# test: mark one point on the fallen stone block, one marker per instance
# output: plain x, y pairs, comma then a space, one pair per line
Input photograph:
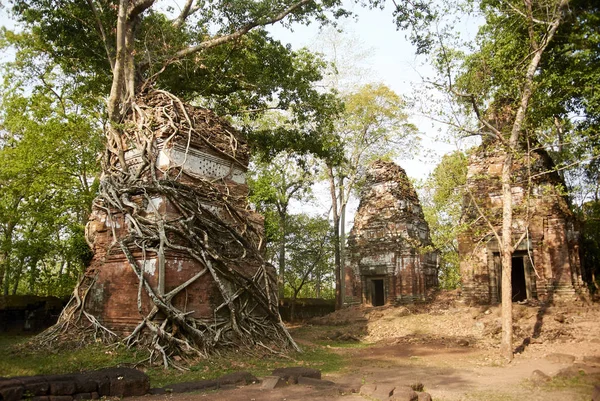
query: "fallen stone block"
560, 358
58, 388
60, 398
34, 385
187, 387
424, 397
11, 390
403, 393
319, 383
271, 382
368, 389
537, 376
86, 384
593, 360
378, 391
126, 382
596, 393
570, 372
292, 374
237, 378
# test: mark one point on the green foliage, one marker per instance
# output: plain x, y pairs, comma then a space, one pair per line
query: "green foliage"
564, 111
49, 146
241, 78
62, 73
309, 267
16, 359
374, 125
590, 244
442, 207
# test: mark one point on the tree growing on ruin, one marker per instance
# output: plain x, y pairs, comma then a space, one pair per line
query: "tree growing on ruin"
498, 85
148, 62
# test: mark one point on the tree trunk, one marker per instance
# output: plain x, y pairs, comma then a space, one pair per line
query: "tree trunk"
281, 278
293, 307
506, 346
336, 239
507, 204
342, 246
318, 284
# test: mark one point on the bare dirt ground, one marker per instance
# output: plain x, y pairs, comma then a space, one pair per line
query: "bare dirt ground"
452, 349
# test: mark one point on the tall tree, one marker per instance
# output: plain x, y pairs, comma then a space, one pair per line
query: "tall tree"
442, 207
498, 84
373, 125
282, 180
49, 147
210, 52
310, 252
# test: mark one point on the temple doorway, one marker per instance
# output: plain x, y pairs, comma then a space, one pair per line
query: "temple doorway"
377, 293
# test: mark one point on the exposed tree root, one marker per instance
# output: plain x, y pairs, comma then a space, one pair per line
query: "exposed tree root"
220, 239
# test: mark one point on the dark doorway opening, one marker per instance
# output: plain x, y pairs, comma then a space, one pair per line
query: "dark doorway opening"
377, 295
519, 286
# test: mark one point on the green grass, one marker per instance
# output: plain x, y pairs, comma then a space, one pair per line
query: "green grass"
312, 357
17, 360
580, 383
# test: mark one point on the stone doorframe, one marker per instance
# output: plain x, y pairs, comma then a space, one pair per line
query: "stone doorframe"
367, 288
525, 251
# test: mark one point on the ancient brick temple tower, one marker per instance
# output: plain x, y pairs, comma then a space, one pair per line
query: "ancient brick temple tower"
390, 255
546, 261
216, 155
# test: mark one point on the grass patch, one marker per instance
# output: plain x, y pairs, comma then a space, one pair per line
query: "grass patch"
16, 360
581, 383
313, 357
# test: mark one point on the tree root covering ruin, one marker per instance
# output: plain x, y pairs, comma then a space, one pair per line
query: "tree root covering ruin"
151, 207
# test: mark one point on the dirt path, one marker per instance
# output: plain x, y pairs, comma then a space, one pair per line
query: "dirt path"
452, 350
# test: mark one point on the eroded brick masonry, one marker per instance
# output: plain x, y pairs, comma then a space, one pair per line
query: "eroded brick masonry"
546, 260
390, 255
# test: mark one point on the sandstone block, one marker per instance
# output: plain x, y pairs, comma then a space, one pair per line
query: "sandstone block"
35, 385
560, 358
403, 393
187, 387
61, 388
60, 398
537, 376
596, 393
237, 378
271, 382
292, 374
11, 390
424, 397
